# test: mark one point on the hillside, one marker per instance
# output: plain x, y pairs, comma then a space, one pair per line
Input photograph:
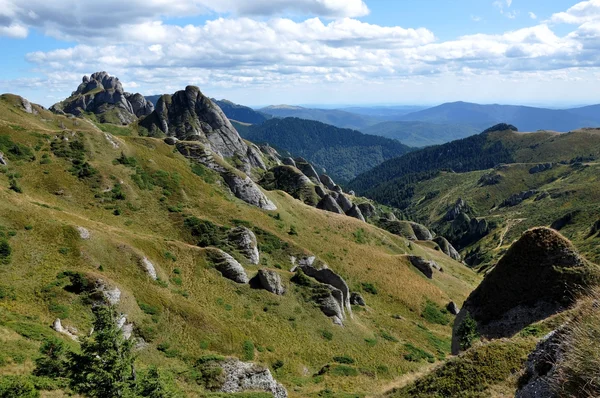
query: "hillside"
335, 117
91, 209
527, 118
421, 134
241, 113
343, 153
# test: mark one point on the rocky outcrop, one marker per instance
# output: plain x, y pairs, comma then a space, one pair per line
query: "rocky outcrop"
149, 268
327, 181
538, 277
328, 277
270, 281
291, 180
245, 241
426, 267
307, 169
104, 96
453, 308
246, 190
328, 203
331, 303
171, 141
70, 332
492, 178
459, 207
110, 294
541, 168
595, 229
188, 115
540, 369
288, 162
447, 248
228, 266
367, 209
421, 231
344, 202
565, 220
84, 233
3, 161
320, 191
407, 229
357, 299
518, 198
355, 212
243, 376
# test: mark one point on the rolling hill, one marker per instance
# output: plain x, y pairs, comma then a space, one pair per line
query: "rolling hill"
241, 113
421, 134
334, 117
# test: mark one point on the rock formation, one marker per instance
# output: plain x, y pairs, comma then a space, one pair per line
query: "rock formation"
307, 169
357, 299
355, 213
540, 368
459, 207
84, 233
245, 241
344, 203
327, 181
270, 281
367, 209
536, 278
452, 308
291, 180
426, 267
328, 203
328, 277
518, 198
243, 376
228, 266
149, 268
447, 248
104, 96
541, 168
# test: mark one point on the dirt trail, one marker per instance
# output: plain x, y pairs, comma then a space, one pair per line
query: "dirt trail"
509, 224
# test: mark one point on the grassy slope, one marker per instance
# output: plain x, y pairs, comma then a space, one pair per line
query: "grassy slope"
217, 316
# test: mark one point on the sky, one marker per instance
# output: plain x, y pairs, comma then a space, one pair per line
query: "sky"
342, 52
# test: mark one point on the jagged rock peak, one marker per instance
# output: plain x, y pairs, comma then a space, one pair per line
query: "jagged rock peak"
191, 116
540, 275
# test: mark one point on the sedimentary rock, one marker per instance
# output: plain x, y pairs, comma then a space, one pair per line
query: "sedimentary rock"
367, 209
228, 266
425, 266
357, 299
243, 376
447, 248
355, 213
327, 181
246, 190
245, 241
453, 308
328, 203
271, 281
344, 203
84, 233
459, 207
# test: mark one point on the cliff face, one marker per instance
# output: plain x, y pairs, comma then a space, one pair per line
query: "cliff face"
104, 96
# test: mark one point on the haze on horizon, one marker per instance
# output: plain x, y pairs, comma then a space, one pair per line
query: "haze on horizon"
351, 52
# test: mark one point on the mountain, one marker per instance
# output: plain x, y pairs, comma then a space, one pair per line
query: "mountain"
241, 113
343, 153
334, 117
220, 284
384, 112
527, 118
421, 134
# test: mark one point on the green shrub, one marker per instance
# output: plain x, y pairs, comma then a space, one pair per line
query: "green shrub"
388, 337
415, 354
17, 387
5, 251
467, 332
369, 288
148, 309
207, 233
327, 335
432, 314
292, 231
359, 236
343, 371
14, 185
344, 359
52, 363
248, 349
278, 364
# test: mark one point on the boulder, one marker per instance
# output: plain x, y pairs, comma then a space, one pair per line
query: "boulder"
271, 281
307, 169
541, 168
338, 189
453, 308
355, 213
536, 278
421, 231
243, 376
228, 266
69, 332
245, 189
289, 162
367, 209
538, 380
245, 241
459, 207
426, 267
329, 204
110, 294
84, 233
171, 141
331, 303
447, 248
291, 180
149, 268
518, 198
327, 181
351, 193
329, 277
140, 106
26, 105
357, 299
320, 191
3, 161
344, 202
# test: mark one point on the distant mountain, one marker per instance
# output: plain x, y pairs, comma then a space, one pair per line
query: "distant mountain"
334, 117
384, 112
153, 98
421, 134
241, 113
527, 118
343, 153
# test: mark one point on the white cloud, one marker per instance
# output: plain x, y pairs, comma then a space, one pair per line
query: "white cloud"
585, 11
532, 15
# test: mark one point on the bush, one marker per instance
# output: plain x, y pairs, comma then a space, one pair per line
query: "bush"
52, 362
17, 387
467, 332
415, 354
5, 251
327, 335
344, 359
388, 337
293, 231
369, 288
344, 371
148, 309
208, 233
433, 314
248, 348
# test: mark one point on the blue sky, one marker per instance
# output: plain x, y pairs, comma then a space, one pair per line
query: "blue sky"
261, 52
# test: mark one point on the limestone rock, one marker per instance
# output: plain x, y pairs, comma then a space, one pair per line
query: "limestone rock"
518, 198
228, 266
453, 308
421, 231
329, 277
291, 180
110, 294
58, 327
171, 141
289, 162
245, 241
447, 248
327, 181
271, 281
535, 279
357, 299
243, 376
246, 190
459, 207
541, 168
3, 161
344, 202
84, 233
332, 304
355, 213
149, 268
367, 209
425, 266
318, 189
307, 169
328, 203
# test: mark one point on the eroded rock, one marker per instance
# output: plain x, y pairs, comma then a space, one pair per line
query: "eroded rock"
149, 268
357, 299
355, 213
246, 190
243, 376
228, 266
245, 241
426, 267
447, 248
271, 281
328, 203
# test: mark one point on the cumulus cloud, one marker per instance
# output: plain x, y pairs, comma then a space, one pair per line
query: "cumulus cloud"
585, 11
532, 15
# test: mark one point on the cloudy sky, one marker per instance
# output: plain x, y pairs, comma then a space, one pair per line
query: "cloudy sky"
260, 52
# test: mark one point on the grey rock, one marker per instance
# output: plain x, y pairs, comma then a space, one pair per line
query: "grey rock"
357, 299
243, 376
367, 209
271, 153
228, 266
328, 203
171, 141
58, 327
541, 168
338, 189
246, 190
332, 304
320, 191
352, 193
344, 203
390, 217
140, 106
3, 160
26, 105
271, 281
245, 241
355, 213
453, 308
289, 162
327, 181
459, 207
149, 268
421, 231
543, 195
307, 169
426, 267
518, 198
110, 294
447, 248
84, 233
540, 368
329, 277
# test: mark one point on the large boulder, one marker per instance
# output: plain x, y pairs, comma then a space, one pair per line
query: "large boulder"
421, 231
245, 189
327, 181
270, 281
357, 299
190, 116
344, 202
329, 277
291, 180
518, 198
104, 96
367, 209
459, 207
328, 203
406, 229
228, 266
355, 213
427, 267
447, 248
307, 169
245, 241
331, 303
539, 276
540, 369
243, 376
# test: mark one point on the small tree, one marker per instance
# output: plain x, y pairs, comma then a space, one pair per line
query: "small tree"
52, 363
467, 332
154, 385
105, 366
